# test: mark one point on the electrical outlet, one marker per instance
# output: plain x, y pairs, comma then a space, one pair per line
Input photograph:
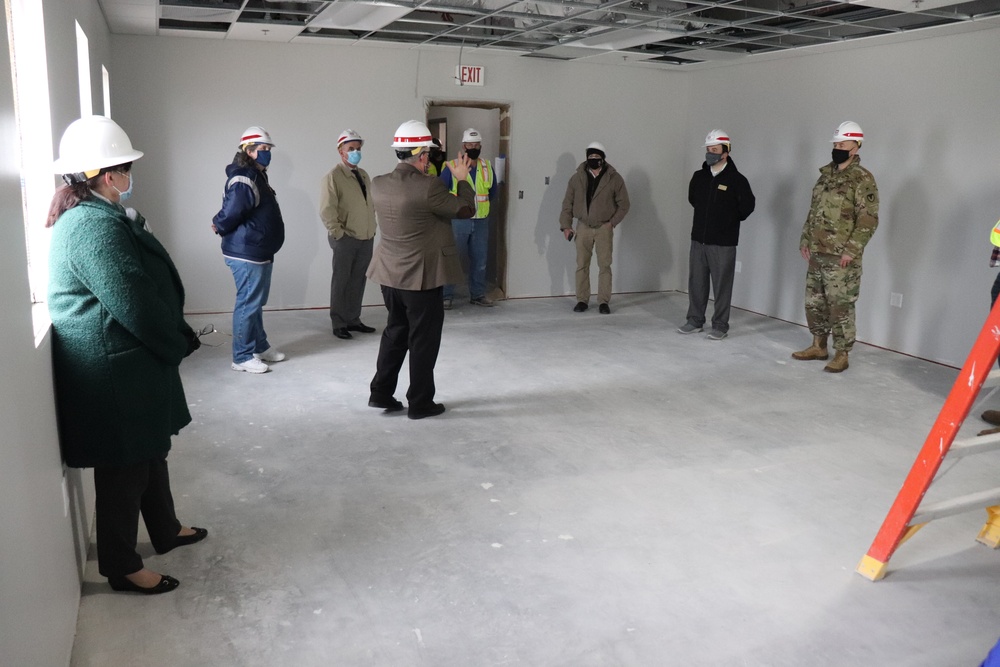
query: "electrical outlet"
520, 194
739, 266
546, 180
896, 299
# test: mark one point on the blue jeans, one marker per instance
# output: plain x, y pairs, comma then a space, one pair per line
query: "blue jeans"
472, 237
253, 284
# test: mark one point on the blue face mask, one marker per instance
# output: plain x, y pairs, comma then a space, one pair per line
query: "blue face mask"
354, 157
122, 196
263, 158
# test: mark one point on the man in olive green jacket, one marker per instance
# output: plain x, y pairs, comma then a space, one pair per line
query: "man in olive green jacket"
596, 196
348, 212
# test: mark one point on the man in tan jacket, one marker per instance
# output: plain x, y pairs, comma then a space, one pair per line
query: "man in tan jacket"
414, 259
348, 212
597, 198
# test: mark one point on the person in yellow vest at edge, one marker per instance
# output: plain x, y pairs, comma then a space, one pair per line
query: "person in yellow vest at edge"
437, 159
472, 237
993, 416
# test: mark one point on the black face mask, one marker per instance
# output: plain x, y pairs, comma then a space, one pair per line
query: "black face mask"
840, 156
473, 153
595, 163
436, 157
712, 159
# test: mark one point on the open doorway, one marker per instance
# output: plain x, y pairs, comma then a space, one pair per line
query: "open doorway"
492, 119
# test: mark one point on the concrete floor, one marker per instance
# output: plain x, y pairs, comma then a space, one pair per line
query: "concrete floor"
602, 491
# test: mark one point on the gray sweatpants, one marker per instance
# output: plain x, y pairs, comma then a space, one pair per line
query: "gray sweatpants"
718, 264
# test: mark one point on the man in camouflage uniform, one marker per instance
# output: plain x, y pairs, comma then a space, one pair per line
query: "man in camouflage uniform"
842, 219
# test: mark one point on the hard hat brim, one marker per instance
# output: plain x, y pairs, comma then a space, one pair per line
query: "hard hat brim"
64, 166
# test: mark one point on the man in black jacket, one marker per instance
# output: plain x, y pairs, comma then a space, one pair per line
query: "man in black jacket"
722, 199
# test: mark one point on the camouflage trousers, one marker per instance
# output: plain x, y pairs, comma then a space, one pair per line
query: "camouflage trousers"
831, 292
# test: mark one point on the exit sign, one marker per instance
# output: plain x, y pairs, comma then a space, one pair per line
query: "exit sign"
469, 75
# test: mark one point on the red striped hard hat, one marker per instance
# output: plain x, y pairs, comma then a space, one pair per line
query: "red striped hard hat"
412, 134
848, 131
717, 137
349, 135
255, 135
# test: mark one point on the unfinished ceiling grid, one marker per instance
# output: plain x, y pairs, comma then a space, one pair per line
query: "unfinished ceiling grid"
672, 33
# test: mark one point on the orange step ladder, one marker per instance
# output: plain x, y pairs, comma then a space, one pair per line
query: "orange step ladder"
907, 516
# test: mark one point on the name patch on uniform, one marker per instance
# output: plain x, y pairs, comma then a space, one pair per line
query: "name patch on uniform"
723, 187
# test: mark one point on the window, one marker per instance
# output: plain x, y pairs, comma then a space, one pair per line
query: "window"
83, 71
106, 79
34, 126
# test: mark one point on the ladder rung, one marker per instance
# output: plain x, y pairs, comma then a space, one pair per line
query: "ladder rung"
973, 501
978, 445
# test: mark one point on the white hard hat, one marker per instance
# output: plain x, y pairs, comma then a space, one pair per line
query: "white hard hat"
91, 143
412, 134
349, 135
596, 146
255, 135
717, 137
472, 136
848, 131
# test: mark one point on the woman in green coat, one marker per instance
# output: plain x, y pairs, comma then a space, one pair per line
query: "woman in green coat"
116, 303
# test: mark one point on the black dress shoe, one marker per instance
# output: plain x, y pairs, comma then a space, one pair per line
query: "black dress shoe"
432, 410
342, 333
184, 540
361, 327
580, 307
604, 309
387, 403
167, 584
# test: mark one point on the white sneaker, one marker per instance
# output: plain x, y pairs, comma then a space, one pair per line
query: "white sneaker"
251, 366
270, 355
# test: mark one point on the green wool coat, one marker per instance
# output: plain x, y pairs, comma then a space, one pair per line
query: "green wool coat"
119, 335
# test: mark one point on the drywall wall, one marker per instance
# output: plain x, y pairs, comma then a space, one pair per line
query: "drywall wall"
932, 140
186, 101
47, 511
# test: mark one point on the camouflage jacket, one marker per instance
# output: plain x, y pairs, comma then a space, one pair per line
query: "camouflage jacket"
844, 211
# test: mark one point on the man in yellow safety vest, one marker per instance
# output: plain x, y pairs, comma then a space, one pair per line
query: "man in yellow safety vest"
472, 237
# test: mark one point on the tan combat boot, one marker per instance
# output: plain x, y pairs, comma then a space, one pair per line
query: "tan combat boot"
838, 364
815, 351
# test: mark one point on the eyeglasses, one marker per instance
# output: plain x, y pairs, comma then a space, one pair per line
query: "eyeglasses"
206, 330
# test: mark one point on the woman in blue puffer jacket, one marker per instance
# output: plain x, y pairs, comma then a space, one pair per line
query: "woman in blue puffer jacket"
252, 232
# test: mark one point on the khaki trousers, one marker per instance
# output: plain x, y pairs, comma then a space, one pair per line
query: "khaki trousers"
586, 238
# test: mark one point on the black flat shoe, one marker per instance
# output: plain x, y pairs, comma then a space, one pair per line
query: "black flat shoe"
432, 410
580, 307
167, 584
605, 309
361, 327
389, 404
184, 540
342, 333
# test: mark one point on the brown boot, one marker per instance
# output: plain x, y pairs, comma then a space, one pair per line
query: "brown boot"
815, 351
838, 364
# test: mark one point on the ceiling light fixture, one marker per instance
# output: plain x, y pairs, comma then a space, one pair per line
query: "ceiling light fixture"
348, 15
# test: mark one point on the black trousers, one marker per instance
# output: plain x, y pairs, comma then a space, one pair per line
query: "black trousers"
122, 493
414, 325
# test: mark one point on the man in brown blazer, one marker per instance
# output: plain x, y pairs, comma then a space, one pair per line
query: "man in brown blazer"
414, 259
